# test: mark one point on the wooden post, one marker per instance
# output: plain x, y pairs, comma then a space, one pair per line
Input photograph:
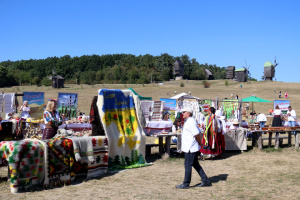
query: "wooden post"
168, 145
254, 139
296, 139
240, 112
259, 140
289, 138
270, 139
276, 140
161, 150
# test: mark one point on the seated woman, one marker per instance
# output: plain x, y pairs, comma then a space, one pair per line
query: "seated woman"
166, 116
177, 128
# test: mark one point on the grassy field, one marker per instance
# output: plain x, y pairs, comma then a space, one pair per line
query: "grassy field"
253, 174
262, 89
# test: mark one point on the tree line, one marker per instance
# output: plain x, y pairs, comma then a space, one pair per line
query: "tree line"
110, 68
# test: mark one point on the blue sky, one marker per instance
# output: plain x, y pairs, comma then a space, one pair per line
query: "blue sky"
217, 32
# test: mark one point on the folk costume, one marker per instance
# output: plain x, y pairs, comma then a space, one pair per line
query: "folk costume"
52, 121
213, 144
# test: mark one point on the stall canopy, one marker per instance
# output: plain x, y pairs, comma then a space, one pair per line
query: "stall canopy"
184, 96
255, 99
140, 97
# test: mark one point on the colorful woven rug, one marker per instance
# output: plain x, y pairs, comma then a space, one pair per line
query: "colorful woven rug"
60, 165
26, 162
100, 165
126, 138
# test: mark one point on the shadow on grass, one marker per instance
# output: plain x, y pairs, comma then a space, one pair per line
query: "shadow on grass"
215, 179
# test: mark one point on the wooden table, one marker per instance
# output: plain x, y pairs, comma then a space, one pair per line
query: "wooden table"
257, 137
167, 142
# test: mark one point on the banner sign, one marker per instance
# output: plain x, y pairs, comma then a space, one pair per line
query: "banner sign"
36, 103
67, 103
170, 104
283, 104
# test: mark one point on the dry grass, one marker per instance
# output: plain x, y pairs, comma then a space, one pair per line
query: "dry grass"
255, 174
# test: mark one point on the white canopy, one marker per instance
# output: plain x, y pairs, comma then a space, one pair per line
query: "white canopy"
183, 96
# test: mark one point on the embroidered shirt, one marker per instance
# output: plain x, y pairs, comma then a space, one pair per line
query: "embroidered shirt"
52, 118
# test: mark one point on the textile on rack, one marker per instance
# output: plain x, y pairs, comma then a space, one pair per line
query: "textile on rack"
26, 162
213, 139
147, 108
9, 103
157, 111
97, 127
125, 135
236, 139
83, 149
100, 164
60, 164
230, 109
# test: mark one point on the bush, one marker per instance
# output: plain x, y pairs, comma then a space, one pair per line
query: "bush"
206, 84
226, 83
46, 81
181, 84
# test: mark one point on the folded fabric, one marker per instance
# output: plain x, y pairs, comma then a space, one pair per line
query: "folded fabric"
83, 149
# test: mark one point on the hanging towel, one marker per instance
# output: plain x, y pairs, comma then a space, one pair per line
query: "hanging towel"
9, 103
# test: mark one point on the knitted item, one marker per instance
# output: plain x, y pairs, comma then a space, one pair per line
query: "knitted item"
26, 162
124, 132
83, 149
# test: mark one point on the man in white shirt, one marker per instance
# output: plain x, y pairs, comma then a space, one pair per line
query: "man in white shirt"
261, 118
291, 117
190, 147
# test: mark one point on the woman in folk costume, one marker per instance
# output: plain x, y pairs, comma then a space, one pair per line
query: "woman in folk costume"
212, 140
52, 119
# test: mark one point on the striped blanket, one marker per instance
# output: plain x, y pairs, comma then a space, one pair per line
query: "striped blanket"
157, 111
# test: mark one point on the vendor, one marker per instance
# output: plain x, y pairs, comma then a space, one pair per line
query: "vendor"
177, 128
234, 125
277, 120
51, 119
25, 110
261, 118
166, 116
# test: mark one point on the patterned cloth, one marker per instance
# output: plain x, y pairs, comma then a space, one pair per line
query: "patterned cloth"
157, 111
97, 128
147, 108
123, 129
100, 164
26, 162
83, 149
60, 162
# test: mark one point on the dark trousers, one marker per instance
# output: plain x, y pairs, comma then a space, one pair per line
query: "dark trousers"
191, 160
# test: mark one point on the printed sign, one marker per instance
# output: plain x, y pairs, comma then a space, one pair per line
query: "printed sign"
170, 104
283, 104
36, 103
67, 103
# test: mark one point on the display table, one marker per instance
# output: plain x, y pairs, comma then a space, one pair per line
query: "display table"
155, 127
76, 127
257, 137
236, 139
167, 142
